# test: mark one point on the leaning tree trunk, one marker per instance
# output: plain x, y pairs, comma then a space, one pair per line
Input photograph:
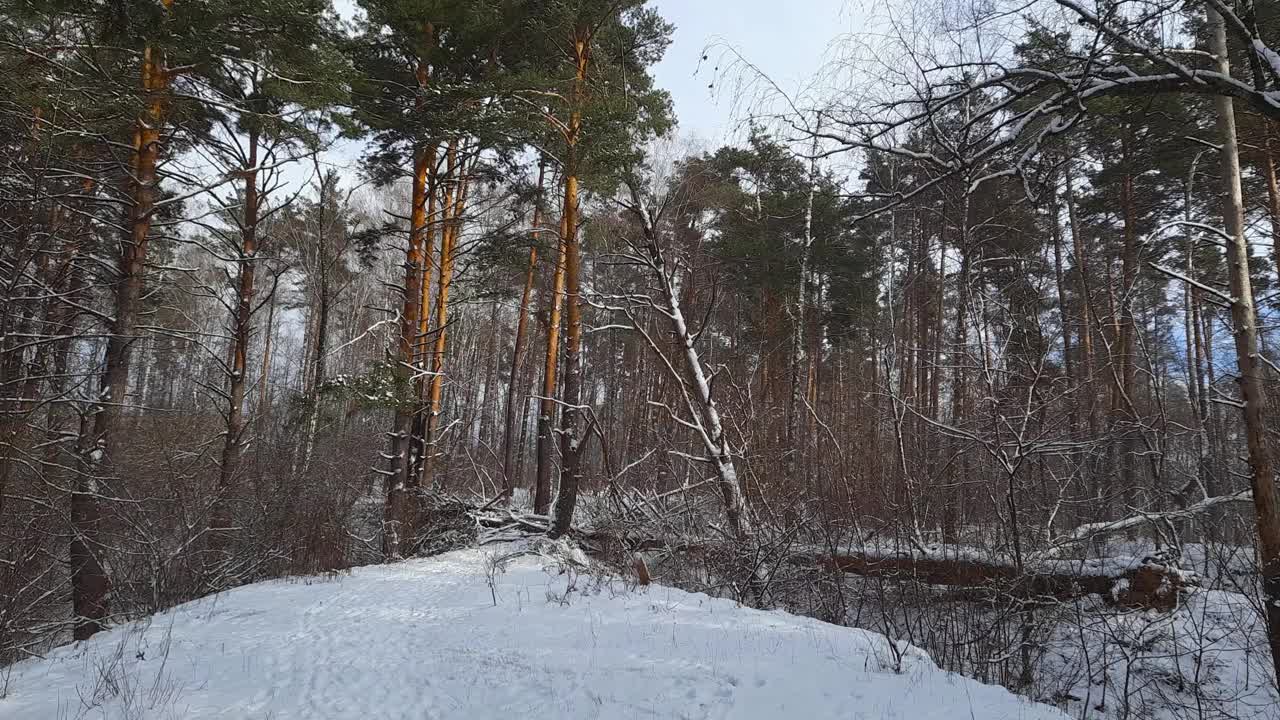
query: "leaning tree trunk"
1265, 501
695, 382
90, 585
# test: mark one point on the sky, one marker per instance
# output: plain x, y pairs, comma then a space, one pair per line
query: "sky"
785, 39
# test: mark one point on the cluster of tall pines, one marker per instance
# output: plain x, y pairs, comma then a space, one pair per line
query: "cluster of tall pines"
275, 281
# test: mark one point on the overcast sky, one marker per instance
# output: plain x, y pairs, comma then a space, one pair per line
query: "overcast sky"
787, 39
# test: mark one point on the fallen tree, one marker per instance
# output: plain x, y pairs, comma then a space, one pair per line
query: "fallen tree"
1150, 582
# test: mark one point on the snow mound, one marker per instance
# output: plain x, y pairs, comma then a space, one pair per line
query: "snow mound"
463, 636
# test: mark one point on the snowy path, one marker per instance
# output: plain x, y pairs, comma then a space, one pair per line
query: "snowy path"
423, 639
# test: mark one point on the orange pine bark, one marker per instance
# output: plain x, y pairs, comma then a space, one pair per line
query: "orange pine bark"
90, 585
571, 431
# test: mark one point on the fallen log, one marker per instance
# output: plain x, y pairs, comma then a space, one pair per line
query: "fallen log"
1152, 582
1125, 582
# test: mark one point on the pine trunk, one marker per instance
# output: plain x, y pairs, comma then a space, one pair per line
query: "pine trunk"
395, 513
571, 439
1251, 371
452, 208
1123, 401
550, 381
90, 585
1085, 331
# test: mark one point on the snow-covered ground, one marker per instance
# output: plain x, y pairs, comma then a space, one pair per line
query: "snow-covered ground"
1206, 659
451, 637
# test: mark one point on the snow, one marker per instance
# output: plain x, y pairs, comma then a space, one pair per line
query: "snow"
460, 636
1207, 659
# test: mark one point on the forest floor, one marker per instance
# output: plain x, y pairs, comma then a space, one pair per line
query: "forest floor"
1205, 660
508, 631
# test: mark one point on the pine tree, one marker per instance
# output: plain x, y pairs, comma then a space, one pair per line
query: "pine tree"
286, 72
431, 73
587, 63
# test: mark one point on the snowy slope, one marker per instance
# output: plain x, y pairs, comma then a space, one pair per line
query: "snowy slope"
424, 639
